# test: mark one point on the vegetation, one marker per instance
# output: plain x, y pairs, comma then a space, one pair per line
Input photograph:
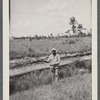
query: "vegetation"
37, 48
59, 35
43, 77
78, 87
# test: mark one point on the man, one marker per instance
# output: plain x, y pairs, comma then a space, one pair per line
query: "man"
54, 60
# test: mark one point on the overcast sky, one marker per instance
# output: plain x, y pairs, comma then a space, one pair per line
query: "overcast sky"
42, 17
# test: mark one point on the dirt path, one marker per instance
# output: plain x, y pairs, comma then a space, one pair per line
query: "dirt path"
23, 70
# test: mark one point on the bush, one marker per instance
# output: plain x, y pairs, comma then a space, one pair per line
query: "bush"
65, 72
71, 42
80, 64
68, 71
16, 55
12, 86
89, 66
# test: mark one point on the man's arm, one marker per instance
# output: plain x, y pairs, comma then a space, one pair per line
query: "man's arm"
47, 60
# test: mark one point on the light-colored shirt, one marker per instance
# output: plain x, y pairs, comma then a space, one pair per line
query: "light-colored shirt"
54, 59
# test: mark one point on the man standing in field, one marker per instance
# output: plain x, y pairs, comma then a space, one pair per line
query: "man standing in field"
54, 60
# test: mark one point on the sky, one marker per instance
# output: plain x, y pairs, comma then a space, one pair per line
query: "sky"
42, 17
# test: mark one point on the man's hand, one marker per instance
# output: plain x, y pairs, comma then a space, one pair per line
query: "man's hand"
53, 64
45, 59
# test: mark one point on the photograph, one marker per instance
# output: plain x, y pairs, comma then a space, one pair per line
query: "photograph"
51, 49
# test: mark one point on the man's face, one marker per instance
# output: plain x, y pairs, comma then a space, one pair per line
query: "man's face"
54, 52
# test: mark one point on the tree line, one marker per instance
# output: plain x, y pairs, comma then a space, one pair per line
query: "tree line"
76, 29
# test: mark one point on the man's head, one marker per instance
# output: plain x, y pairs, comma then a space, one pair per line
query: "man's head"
54, 51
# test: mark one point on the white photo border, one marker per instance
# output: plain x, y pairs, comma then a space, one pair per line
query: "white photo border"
6, 50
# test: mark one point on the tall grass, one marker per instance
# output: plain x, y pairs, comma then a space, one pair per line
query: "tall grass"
74, 88
43, 77
37, 48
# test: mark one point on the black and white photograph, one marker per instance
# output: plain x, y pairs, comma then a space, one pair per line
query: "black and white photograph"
50, 50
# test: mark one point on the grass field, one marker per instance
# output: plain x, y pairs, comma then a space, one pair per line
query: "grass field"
78, 87
37, 48
42, 77
39, 85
